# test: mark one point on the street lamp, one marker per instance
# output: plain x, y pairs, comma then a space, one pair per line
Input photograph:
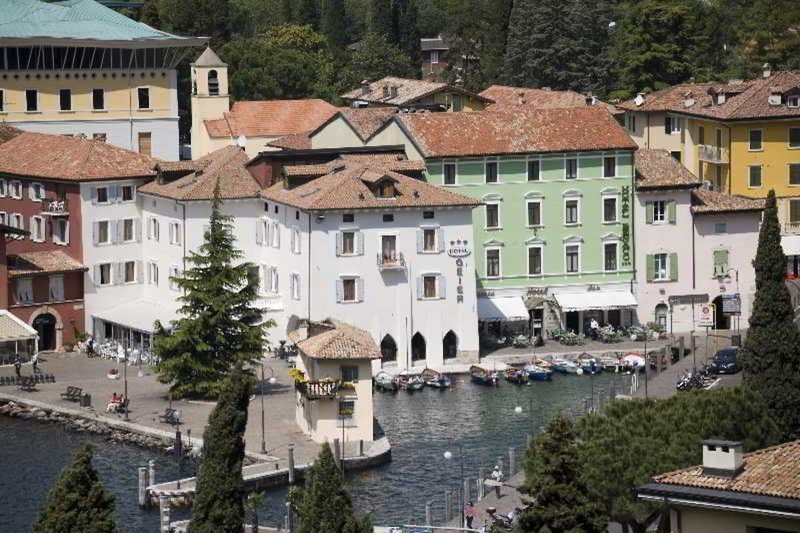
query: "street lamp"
272, 381
738, 297
448, 455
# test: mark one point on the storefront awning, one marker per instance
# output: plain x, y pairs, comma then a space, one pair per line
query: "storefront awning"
790, 244
140, 315
502, 308
14, 329
584, 301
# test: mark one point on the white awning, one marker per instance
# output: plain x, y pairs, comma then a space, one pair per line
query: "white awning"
790, 244
584, 301
502, 308
140, 315
14, 329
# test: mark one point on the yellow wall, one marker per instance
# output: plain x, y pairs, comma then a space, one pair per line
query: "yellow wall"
774, 158
696, 520
120, 95
444, 97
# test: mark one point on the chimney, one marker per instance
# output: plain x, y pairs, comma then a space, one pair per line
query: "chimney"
393, 91
364, 87
315, 328
767, 72
386, 91
722, 458
639, 100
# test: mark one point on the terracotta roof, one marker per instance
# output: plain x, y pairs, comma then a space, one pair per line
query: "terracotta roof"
408, 91
706, 201
271, 118
7, 133
348, 187
297, 141
70, 158
773, 471
743, 100
505, 96
332, 339
518, 131
393, 162
49, 262
657, 169
367, 121
228, 165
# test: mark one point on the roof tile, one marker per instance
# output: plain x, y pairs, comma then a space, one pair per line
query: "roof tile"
50, 262
333, 339
505, 96
657, 169
408, 91
271, 118
705, 201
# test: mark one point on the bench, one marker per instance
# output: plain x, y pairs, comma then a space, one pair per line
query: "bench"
168, 417
73, 394
26, 383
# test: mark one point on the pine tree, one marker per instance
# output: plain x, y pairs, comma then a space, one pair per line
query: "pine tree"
308, 13
333, 23
552, 479
78, 501
379, 18
324, 503
219, 506
220, 327
405, 30
770, 356
286, 12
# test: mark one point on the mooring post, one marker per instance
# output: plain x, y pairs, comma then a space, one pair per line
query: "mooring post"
291, 464
361, 447
428, 520
336, 456
481, 473
448, 505
163, 508
142, 486
467, 492
512, 463
151, 472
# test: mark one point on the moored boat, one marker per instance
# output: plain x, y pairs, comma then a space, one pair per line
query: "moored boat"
589, 364
385, 381
437, 380
481, 376
516, 375
565, 367
409, 382
608, 362
538, 373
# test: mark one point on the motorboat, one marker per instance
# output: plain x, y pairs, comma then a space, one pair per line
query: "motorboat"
537, 372
481, 376
517, 376
564, 366
633, 362
437, 380
385, 381
409, 382
608, 362
589, 365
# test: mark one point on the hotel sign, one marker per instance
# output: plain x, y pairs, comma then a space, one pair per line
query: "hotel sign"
626, 230
458, 248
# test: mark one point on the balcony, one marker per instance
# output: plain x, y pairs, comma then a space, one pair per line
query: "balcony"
317, 390
391, 260
712, 154
55, 208
790, 228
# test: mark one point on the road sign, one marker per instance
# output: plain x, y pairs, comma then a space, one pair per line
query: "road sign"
731, 304
688, 299
704, 315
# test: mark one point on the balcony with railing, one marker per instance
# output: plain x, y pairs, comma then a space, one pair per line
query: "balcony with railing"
55, 208
790, 228
713, 154
317, 390
391, 260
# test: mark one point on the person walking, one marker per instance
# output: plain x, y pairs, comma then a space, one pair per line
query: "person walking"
35, 363
18, 367
497, 475
594, 326
469, 514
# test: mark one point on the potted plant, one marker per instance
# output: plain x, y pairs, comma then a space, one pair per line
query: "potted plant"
113, 374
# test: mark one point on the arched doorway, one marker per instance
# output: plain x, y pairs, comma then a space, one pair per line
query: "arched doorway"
450, 345
720, 320
418, 349
661, 315
388, 349
45, 326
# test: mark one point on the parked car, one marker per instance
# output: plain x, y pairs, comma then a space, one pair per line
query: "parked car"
725, 361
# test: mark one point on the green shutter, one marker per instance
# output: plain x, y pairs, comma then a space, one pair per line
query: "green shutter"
651, 267
648, 206
671, 211
673, 267
720, 262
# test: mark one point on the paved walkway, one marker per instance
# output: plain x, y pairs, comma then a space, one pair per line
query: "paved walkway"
510, 498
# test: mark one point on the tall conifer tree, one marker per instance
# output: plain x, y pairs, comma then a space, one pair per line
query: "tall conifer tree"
333, 23
379, 18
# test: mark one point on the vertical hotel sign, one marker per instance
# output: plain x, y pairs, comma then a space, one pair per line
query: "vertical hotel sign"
458, 250
626, 225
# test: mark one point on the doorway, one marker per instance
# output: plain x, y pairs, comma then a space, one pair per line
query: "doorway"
45, 326
720, 320
450, 345
418, 348
388, 349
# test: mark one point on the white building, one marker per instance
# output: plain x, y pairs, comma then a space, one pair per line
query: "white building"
692, 244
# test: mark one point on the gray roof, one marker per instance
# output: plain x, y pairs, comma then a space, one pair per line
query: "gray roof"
209, 59
433, 43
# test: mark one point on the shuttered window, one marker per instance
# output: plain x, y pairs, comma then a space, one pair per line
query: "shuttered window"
720, 262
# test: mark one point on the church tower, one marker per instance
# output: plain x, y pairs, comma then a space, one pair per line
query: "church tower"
210, 99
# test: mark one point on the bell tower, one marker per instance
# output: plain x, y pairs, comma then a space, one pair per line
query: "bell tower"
210, 99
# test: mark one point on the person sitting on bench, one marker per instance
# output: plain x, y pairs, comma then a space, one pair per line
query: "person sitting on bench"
115, 402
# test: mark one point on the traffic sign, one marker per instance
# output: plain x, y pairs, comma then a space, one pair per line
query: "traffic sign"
731, 304
705, 315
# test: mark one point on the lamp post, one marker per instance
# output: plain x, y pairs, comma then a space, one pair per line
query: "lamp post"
448, 455
646, 361
738, 297
125, 381
272, 381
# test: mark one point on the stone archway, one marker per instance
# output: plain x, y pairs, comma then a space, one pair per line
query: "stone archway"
59, 325
450, 345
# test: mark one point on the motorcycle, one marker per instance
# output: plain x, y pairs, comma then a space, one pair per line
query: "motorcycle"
507, 522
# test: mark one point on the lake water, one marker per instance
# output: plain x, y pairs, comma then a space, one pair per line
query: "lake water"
421, 426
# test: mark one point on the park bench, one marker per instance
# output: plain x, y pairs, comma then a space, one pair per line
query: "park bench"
73, 394
26, 383
168, 417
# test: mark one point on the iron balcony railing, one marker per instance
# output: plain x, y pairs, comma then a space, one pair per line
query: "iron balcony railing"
317, 390
712, 154
55, 207
790, 228
393, 259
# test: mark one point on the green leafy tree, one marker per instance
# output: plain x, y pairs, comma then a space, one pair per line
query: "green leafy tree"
770, 356
324, 503
768, 33
374, 58
404, 29
465, 34
552, 480
217, 19
379, 18
307, 13
333, 23
629, 442
78, 501
219, 328
219, 505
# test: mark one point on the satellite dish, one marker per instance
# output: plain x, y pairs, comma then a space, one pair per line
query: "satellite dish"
241, 142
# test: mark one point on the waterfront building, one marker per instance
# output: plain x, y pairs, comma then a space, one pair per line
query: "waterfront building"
334, 381
80, 68
415, 95
64, 192
732, 492
434, 57
693, 246
252, 124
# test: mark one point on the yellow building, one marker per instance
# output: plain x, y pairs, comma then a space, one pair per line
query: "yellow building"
79, 68
415, 95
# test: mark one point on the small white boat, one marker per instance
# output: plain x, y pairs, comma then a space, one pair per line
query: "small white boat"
564, 366
385, 381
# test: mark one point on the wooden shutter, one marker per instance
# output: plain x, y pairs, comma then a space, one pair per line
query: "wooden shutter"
277, 230
671, 211
95, 232
360, 289
66, 232
119, 275
442, 287
97, 274
139, 272
149, 228
667, 125
359, 243
420, 288
420, 239
651, 267
648, 206
339, 244
339, 290
145, 143
137, 229
673, 267
720, 262
178, 234
440, 240
94, 195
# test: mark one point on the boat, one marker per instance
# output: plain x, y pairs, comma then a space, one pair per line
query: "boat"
565, 367
481, 376
608, 362
385, 381
589, 365
409, 382
516, 375
437, 380
632, 362
539, 373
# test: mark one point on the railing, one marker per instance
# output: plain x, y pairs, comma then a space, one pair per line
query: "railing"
790, 228
712, 154
315, 390
391, 259
55, 207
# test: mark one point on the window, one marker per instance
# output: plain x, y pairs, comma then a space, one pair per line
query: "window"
37, 229
572, 258
449, 173
429, 286
297, 215
794, 173
152, 273
65, 99
294, 286
428, 214
127, 193
15, 189
23, 291
17, 222
571, 169
153, 229
3, 188
609, 167
275, 208
348, 243
31, 100
143, 97
36, 191
103, 232
659, 211
273, 280
128, 233
535, 261
3, 218
534, 170
756, 142
348, 290
661, 267
350, 373
61, 232
794, 211
295, 240
491, 171
386, 189
434, 57
720, 227
346, 410
103, 274
492, 216
793, 101
175, 233
145, 143
2, 101
701, 135
534, 213
610, 257
99, 137
631, 122
794, 137
98, 99
672, 125
388, 217
429, 240
676, 155
129, 272
348, 217
493, 263
755, 176
571, 212
610, 209
101, 195
56, 285
213, 83
174, 273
